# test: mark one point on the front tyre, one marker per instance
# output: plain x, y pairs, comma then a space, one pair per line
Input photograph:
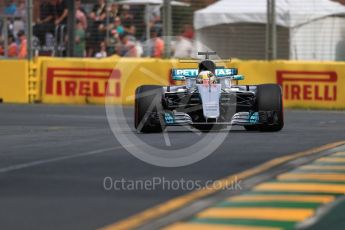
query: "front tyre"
148, 109
269, 98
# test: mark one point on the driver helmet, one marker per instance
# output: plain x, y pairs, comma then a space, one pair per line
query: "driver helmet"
205, 76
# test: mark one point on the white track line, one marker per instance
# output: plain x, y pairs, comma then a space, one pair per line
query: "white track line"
56, 159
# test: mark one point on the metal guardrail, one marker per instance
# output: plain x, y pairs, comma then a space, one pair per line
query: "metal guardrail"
59, 39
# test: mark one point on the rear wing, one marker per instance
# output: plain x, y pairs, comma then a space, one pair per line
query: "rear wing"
182, 74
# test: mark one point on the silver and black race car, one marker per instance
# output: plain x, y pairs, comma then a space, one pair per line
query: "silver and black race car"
210, 99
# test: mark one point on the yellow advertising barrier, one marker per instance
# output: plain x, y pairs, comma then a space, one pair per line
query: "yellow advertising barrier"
77, 81
80, 81
14, 81
305, 84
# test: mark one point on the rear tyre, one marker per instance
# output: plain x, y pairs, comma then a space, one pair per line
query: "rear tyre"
148, 101
269, 98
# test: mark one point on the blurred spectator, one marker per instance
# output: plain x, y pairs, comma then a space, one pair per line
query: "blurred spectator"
154, 13
127, 20
155, 45
1, 26
139, 49
102, 53
115, 31
113, 12
20, 10
184, 45
10, 8
2, 49
79, 47
97, 33
116, 27
45, 22
80, 14
127, 48
60, 12
119, 36
22, 52
98, 13
12, 47
111, 27
60, 21
20, 17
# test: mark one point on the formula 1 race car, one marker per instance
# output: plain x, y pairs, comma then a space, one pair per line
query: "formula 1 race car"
210, 99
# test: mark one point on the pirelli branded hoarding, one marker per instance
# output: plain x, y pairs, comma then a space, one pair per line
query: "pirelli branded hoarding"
304, 84
81, 85
72, 81
83, 82
92, 81
309, 86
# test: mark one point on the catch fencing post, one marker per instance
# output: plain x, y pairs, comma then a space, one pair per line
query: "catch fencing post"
271, 31
71, 27
167, 24
29, 29
107, 22
5, 33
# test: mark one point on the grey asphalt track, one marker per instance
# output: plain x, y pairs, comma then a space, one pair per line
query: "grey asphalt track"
53, 160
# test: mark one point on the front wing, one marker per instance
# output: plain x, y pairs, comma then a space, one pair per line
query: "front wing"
241, 118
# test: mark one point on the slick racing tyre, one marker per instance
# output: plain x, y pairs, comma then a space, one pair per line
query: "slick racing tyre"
148, 108
269, 98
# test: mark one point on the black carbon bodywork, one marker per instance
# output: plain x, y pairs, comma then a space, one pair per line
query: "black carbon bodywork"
191, 103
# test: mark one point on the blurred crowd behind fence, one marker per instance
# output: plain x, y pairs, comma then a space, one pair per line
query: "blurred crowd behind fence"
246, 29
